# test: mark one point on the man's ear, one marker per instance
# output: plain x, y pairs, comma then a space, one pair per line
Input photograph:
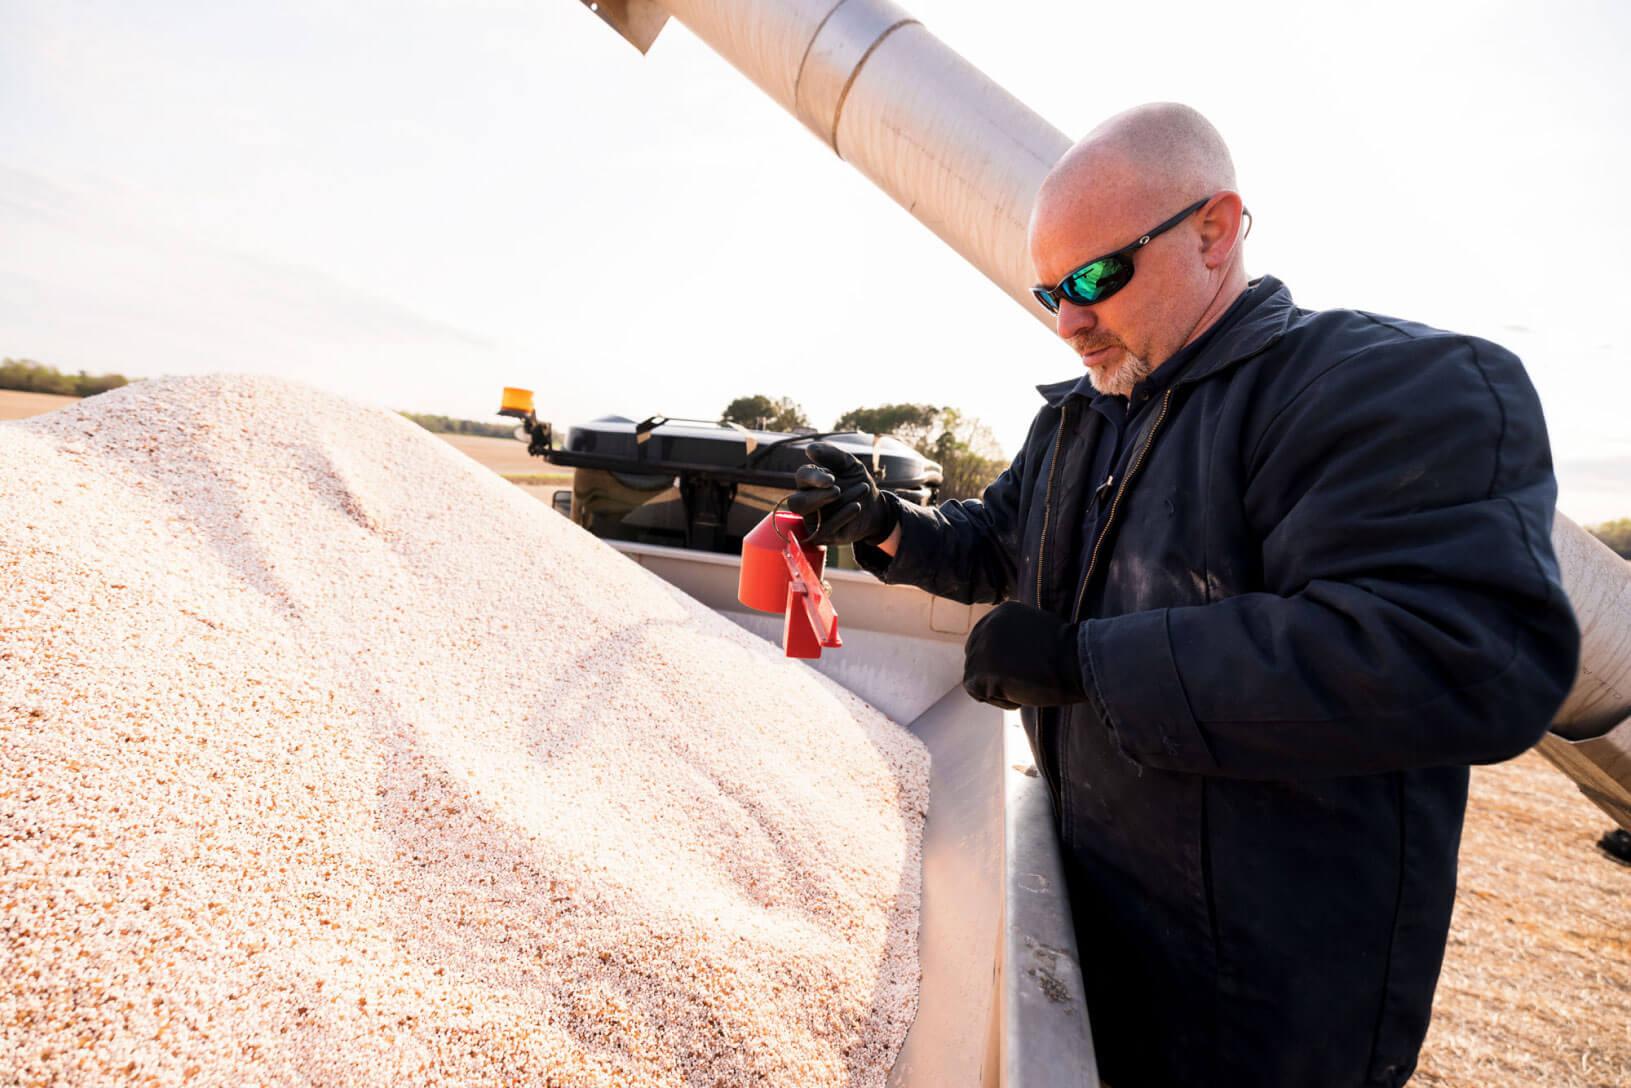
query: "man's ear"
1221, 221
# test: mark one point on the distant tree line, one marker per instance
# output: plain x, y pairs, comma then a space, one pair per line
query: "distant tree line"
449, 425
967, 451
27, 376
760, 413
1616, 534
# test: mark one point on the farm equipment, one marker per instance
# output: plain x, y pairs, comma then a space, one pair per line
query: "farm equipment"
694, 483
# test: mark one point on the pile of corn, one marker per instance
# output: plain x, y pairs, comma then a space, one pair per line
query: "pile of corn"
328, 757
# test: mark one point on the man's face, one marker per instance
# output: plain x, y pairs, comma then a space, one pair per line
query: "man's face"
1123, 338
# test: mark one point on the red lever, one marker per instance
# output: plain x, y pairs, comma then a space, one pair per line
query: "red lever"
780, 573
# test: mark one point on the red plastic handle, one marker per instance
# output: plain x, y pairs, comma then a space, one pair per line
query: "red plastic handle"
811, 621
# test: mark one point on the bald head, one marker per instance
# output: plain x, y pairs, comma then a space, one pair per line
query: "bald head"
1135, 171
1163, 155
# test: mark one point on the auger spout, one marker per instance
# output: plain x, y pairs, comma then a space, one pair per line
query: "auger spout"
961, 154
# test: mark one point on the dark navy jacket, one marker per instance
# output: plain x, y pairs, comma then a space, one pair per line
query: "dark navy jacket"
1325, 586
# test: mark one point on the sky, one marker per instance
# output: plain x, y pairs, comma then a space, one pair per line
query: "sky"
415, 203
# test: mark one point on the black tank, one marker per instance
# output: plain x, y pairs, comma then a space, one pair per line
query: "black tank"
699, 485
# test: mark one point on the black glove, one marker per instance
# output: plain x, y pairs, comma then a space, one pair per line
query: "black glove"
838, 500
1019, 655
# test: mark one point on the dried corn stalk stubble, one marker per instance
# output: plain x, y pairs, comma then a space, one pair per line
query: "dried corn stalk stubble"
327, 756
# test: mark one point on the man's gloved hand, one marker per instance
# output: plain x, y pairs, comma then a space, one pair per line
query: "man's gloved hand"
1022, 656
839, 501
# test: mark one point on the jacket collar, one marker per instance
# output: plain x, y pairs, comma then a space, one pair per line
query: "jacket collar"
1268, 310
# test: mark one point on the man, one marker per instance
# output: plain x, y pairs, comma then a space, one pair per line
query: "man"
1270, 579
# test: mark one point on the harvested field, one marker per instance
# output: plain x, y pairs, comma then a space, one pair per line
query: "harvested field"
327, 757
1536, 988
505, 456
15, 404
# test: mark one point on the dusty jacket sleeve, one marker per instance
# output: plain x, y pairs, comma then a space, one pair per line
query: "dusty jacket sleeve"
966, 550
1412, 613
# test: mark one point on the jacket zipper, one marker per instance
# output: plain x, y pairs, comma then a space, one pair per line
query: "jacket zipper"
1115, 504
1047, 500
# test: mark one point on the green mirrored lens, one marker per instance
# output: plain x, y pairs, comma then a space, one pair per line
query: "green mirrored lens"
1099, 280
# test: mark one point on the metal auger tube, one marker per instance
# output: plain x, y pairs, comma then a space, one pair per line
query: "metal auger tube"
958, 152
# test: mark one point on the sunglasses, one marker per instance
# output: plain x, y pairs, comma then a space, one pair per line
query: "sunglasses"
1102, 277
